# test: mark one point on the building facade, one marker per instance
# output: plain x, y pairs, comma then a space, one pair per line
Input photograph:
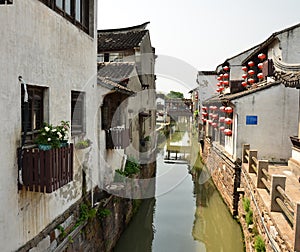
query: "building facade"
52, 47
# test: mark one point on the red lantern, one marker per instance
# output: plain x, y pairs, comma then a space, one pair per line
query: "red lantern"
210, 115
244, 84
222, 119
226, 68
244, 68
226, 83
218, 90
214, 108
219, 78
227, 132
203, 119
260, 65
204, 108
204, 114
215, 116
219, 84
261, 56
222, 128
221, 88
214, 124
225, 75
251, 72
251, 63
244, 76
260, 76
228, 121
251, 81
222, 108
209, 121
228, 110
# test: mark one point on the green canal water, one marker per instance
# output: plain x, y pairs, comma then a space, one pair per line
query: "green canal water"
186, 215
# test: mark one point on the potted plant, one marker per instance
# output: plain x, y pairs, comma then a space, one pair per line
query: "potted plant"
85, 143
53, 136
63, 133
83, 149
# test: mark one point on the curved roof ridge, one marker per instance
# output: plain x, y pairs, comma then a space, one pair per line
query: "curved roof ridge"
127, 29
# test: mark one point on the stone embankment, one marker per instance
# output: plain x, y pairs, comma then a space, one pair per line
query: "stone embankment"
263, 197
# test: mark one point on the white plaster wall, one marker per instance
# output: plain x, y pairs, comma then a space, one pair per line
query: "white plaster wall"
47, 51
275, 108
207, 86
289, 42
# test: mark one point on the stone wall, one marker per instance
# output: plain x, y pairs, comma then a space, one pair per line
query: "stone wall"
225, 173
97, 228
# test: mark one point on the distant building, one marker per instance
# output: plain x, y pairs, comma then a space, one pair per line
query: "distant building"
126, 56
263, 111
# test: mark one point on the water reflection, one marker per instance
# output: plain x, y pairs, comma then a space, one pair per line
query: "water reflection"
189, 217
138, 236
213, 223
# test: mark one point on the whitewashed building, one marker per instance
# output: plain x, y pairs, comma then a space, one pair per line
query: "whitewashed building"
263, 110
127, 46
52, 45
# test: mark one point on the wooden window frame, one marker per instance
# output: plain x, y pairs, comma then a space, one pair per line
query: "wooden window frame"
36, 114
77, 103
84, 20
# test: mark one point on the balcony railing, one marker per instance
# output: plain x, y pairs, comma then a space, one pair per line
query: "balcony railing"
47, 171
117, 138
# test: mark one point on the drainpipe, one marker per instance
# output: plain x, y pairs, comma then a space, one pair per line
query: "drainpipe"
26, 115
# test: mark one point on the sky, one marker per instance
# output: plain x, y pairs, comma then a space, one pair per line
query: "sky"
199, 34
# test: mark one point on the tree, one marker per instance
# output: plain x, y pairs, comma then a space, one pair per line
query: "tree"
174, 94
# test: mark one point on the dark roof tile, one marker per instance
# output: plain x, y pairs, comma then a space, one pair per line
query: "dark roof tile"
115, 71
104, 82
114, 41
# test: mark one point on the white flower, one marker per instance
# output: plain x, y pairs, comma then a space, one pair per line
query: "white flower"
49, 139
44, 134
47, 129
59, 135
53, 130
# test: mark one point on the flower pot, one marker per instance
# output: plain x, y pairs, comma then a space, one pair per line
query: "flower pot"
63, 144
45, 147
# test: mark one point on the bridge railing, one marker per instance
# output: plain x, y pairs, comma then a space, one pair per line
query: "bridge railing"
275, 185
259, 167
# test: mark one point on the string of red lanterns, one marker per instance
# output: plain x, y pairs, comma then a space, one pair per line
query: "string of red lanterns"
223, 79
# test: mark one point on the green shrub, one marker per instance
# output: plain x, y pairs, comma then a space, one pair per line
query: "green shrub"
103, 213
131, 167
246, 204
249, 217
259, 244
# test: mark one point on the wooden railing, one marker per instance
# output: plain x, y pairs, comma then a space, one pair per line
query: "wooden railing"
117, 138
275, 185
46, 171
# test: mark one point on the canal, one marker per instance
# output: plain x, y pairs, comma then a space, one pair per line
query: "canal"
185, 215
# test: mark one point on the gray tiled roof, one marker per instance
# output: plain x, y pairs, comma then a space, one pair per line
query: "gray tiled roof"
289, 79
116, 71
115, 40
230, 97
107, 83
